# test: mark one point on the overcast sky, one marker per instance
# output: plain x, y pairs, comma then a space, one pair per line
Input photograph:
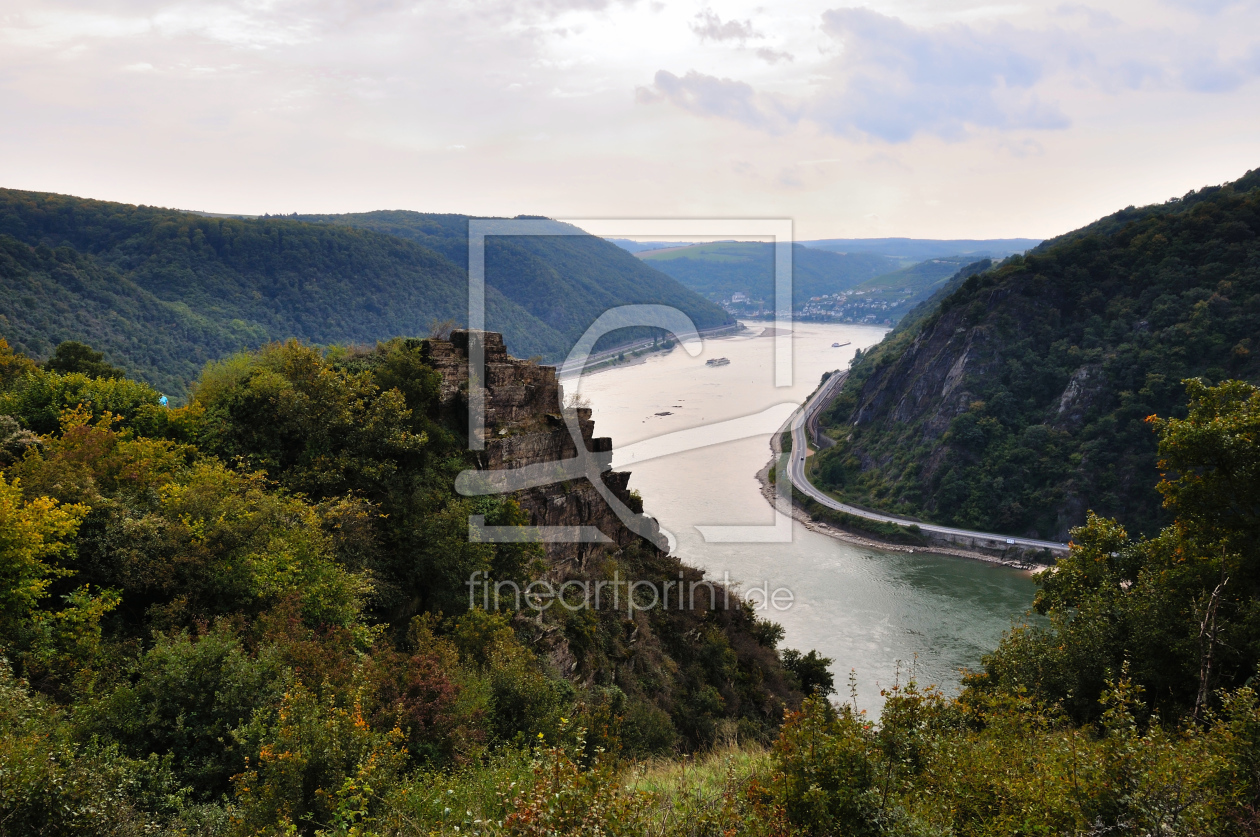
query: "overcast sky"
926, 119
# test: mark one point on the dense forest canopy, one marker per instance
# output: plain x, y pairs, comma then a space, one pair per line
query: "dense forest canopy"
247, 616
282, 566
161, 291
565, 281
1020, 401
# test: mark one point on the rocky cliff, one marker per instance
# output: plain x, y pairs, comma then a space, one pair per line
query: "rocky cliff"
524, 425
1021, 401
708, 668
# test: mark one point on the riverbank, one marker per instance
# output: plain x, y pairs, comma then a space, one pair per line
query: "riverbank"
638, 353
866, 607
868, 540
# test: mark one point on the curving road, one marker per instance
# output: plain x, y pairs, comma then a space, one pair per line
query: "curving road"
807, 416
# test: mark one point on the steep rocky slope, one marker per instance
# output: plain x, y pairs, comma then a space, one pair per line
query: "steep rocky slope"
707, 662
1021, 401
524, 426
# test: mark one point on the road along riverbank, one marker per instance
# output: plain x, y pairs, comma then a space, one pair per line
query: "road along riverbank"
871, 540
803, 428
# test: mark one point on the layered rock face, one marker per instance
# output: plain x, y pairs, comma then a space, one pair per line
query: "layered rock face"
931, 380
525, 425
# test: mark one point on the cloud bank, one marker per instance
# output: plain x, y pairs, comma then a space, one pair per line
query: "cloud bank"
891, 81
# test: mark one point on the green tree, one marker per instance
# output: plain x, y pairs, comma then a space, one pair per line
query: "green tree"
35, 536
1179, 609
812, 670
73, 356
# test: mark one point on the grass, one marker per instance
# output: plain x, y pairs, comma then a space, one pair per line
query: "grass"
462, 801
678, 796
692, 794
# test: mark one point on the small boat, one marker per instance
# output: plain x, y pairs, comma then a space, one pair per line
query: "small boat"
717, 361
840, 345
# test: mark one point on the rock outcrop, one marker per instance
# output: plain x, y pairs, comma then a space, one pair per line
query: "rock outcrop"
525, 425
656, 657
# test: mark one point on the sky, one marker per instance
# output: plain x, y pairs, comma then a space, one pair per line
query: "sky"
946, 119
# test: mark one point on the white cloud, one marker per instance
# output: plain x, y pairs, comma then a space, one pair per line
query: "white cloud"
706, 95
894, 80
713, 28
891, 81
774, 56
1210, 7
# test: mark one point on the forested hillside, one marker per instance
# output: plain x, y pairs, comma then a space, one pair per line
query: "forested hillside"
845, 287
249, 616
894, 295
1022, 400
564, 281
719, 270
162, 291
236, 607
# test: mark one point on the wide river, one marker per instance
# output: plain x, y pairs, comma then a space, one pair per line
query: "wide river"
872, 611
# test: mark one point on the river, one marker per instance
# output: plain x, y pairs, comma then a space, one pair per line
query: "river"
878, 613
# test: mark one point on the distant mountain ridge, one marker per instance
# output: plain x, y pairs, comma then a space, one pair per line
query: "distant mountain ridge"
1021, 400
919, 249
720, 269
162, 291
829, 286
631, 246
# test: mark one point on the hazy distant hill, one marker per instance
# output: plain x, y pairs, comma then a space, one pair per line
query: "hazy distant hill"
918, 249
162, 291
631, 246
1020, 401
722, 269
879, 286
911, 285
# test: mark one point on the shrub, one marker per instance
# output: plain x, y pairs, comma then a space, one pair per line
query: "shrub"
828, 765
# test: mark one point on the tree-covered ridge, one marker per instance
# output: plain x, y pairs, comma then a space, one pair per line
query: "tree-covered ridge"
721, 269
53, 296
848, 287
162, 291
252, 280
1021, 401
565, 281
